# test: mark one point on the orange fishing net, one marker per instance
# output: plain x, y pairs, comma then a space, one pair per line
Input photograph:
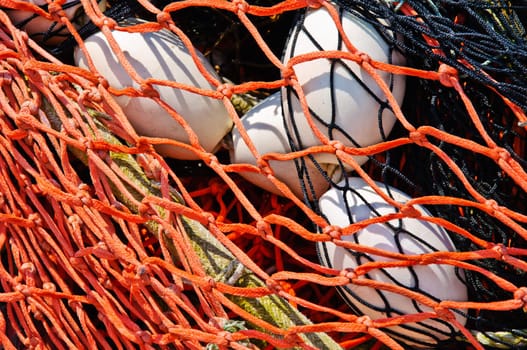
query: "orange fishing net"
107, 244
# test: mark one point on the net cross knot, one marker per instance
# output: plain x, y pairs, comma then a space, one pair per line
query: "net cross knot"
241, 5
164, 19
418, 138
148, 90
363, 57
56, 11
333, 231
409, 211
288, 74
227, 90
447, 75
492, 205
107, 22
364, 320
521, 295
444, 313
349, 273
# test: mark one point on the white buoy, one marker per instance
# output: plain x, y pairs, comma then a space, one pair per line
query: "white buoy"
264, 124
161, 55
409, 236
344, 100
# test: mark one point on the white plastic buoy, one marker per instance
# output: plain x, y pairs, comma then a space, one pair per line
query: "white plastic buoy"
265, 127
48, 31
343, 99
408, 236
161, 55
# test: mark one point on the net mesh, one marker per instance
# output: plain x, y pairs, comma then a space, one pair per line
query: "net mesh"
107, 244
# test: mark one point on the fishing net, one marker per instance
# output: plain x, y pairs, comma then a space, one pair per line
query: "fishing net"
107, 244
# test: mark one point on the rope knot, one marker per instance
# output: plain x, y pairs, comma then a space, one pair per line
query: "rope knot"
349, 273
501, 154
148, 90
410, 212
108, 22
363, 58
418, 138
492, 205
274, 286
164, 18
227, 90
444, 313
337, 145
364, 320
56, 11
447, 75
333, 231
521, 295
289, 76
241, 5
263, 228
143, 145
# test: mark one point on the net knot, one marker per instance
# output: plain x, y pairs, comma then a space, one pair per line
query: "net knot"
444, 313
274, 286
226, 90
364, 320
50, 286
418, 138
147, 90
144, 336
409, 211
501, 154
263, 227
83, 194
226, 338
337, 145
164, 18
447, 75
108, 22
28, 268
143, 274
143, 145
29, 107
363, 58
501, 250
35, 219
211, 219
56, 11
521, 295
289, 76
241, 5
492, 205
349, 273
333, 231
209, 285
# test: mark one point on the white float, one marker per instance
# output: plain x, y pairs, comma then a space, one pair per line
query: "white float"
264, 124
339, 92
161, 55
439, 281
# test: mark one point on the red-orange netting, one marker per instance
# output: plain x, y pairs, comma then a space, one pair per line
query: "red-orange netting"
375, 198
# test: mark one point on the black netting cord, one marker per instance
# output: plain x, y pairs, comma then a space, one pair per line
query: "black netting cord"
484, 34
